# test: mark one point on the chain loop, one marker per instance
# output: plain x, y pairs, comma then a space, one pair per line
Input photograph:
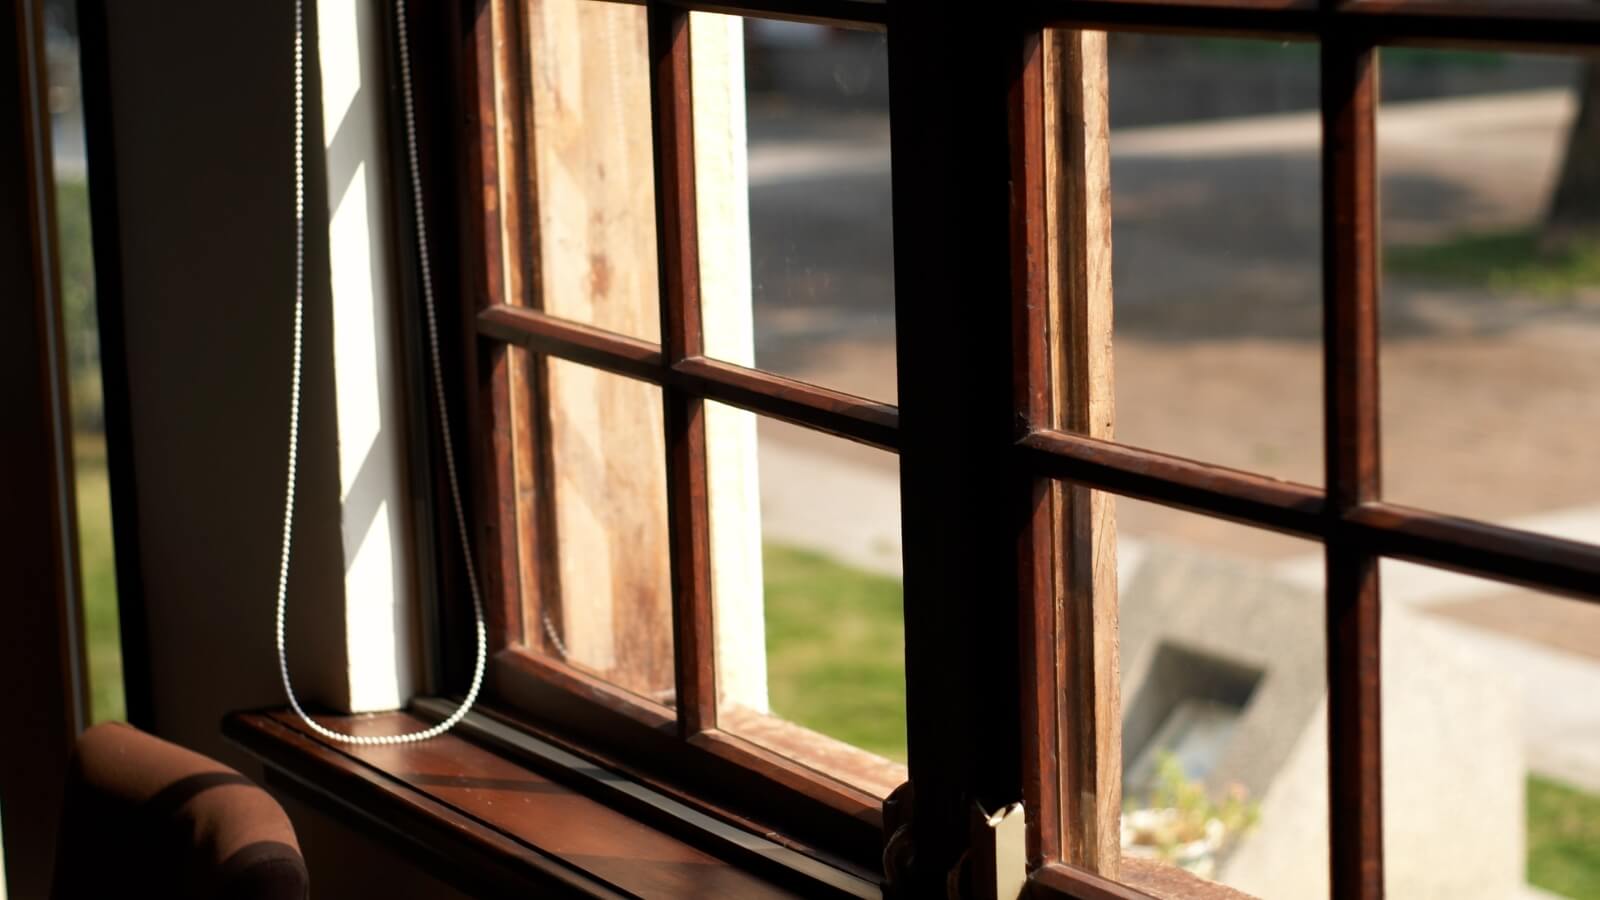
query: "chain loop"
438, 389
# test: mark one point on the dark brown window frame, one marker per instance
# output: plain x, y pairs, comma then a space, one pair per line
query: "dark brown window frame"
995, 425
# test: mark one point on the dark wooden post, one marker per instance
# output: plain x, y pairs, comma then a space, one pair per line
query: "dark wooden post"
951, 79
40, 649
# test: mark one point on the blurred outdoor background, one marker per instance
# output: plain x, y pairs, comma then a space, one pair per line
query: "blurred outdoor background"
83, 356
1490, 188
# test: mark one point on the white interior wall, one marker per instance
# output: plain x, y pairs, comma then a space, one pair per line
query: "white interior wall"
201, 116
379, 600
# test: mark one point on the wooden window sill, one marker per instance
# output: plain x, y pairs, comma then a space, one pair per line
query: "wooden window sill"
542, 823
528, 818
1142, 879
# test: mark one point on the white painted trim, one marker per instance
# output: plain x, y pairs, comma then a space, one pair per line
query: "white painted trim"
722, 187
374, 505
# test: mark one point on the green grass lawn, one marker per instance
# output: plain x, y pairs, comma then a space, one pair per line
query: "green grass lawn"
101, 632
1563, 839
836, 650
1510, 260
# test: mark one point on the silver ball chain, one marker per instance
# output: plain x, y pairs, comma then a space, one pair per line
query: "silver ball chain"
438, 388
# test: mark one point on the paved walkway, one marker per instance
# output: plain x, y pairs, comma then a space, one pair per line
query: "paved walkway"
1548, 648
850, 510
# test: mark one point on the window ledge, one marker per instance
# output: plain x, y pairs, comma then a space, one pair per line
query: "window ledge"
1142, 879
530, 826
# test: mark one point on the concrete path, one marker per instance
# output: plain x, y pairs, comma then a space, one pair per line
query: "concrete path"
832, 504
850, 510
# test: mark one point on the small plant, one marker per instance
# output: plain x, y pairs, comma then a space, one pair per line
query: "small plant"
1179, 823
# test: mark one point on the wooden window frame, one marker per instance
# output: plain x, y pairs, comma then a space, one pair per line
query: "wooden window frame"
1006, 652
733, 774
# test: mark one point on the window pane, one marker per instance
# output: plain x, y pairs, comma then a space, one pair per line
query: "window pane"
607, 565
102, 632
1216, 255
792, 150
1224, 707
593, 215
806, 576
1491, 739
1491, 303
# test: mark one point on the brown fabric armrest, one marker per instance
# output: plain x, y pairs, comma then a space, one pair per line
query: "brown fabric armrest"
147, 818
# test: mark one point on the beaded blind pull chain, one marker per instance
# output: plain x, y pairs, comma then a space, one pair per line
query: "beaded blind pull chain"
438, 389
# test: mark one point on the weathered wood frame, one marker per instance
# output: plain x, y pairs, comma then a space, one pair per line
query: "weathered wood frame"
998, 426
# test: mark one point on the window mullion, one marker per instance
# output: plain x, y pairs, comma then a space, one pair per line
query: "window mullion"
1350, 301
687, 504
1077, 164
493, 376
1042, 700
960, 516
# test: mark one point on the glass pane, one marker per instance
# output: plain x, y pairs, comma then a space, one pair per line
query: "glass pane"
1491, 302
1491, 739
806, 575
1224, 706
792, 149
608, 522
1216, 254
101, 627
590, 158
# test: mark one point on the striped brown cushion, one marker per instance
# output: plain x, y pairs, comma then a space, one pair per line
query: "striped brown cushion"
143, 817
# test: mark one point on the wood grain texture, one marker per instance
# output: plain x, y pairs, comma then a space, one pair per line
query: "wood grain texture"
575, 341
471, 799
515, 669
1053, 881
822, 409
688, 502
1351, 423
720, 833
832, 412
737, 778
1174, 481
587, 74
867, 772
528, 397
1142, 879
1527, 558
489, 405
1078, 177
1033, 385
1540, 561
